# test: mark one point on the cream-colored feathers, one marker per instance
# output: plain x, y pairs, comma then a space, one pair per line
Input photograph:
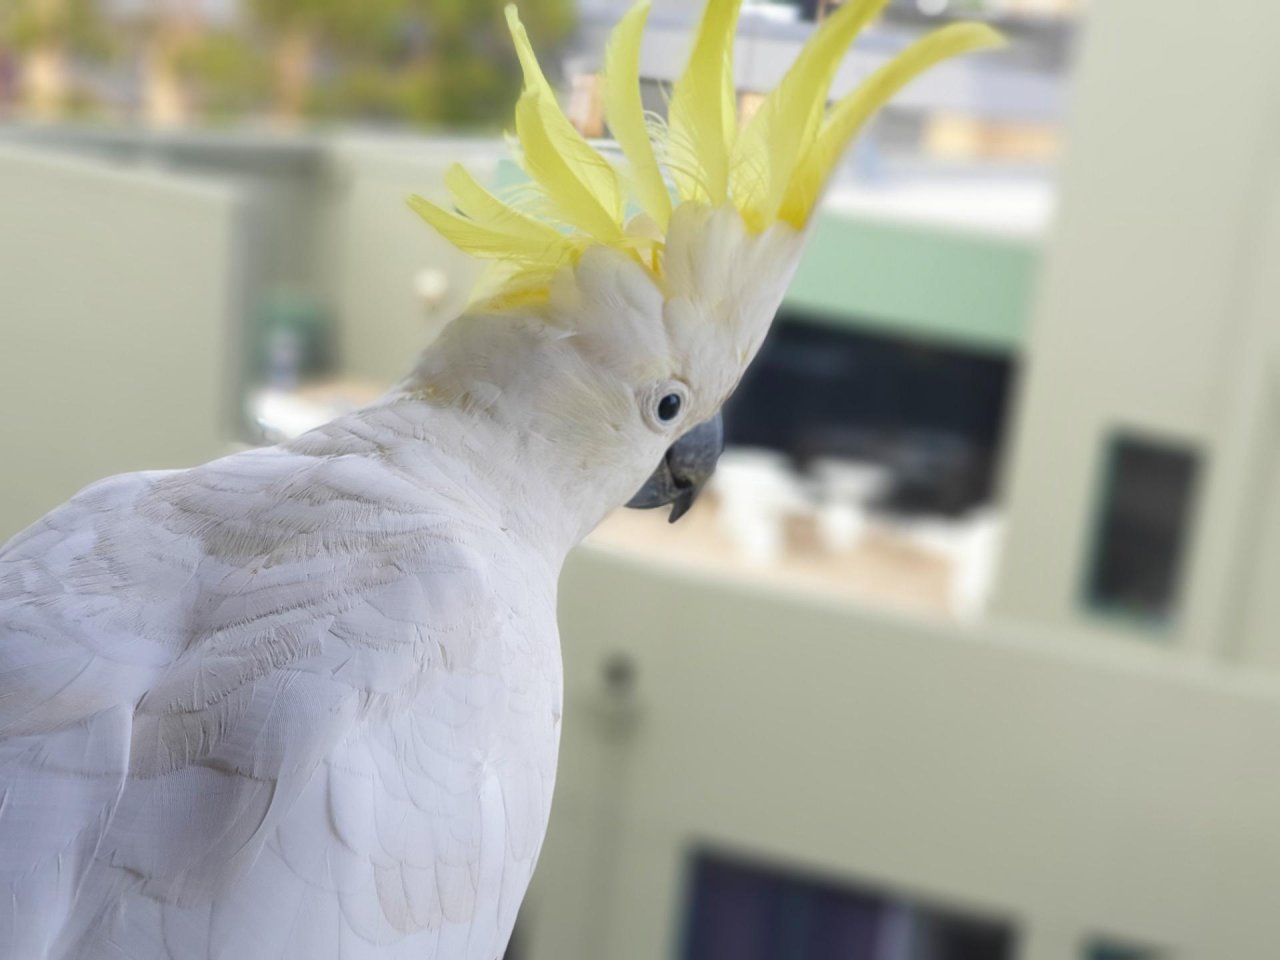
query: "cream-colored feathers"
771, 171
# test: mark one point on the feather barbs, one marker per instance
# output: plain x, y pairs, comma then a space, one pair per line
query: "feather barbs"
624, 111
772, 170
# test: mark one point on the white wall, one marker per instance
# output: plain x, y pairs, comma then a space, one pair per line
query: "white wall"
118, 302
1072, 790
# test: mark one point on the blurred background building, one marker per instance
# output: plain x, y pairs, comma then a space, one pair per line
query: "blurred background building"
972, 652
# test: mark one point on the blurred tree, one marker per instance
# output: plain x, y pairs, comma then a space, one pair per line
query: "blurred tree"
301, 31
463, 53
170, 28
426, 62
46, 33
227, 74
191, 67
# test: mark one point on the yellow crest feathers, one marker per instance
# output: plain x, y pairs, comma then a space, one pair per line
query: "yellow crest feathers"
496, 242
783, 130
624, 111
484, 209
772, 170
702, 118
849, 115
582, 187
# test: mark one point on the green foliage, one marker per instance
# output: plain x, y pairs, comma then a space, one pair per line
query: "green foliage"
229, 73
76, 25
423, 62
82, 105
341, 23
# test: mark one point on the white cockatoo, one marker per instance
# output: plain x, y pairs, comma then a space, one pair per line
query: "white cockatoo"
304, 702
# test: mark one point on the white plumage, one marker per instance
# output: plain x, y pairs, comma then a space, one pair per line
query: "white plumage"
304, 702
282, 705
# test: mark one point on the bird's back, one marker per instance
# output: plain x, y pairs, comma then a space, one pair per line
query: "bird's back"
292, 703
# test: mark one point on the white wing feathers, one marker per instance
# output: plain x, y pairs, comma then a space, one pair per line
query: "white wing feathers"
281, 670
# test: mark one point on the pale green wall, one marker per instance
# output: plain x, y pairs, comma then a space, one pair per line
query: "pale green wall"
1247, 500
1077, 790
279, 178
947, 286
1259, 586
1155, 305
118, 301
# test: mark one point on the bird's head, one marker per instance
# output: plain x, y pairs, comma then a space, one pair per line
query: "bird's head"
626, 301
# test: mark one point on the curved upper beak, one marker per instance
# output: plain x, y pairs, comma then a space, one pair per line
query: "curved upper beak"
684, 471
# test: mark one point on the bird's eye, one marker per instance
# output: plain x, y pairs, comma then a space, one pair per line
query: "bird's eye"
669, 407
663, 405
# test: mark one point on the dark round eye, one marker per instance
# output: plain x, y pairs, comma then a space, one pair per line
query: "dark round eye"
669, 407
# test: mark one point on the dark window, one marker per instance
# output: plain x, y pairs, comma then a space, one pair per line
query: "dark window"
1143, 527
741, 911
933, 415
1109, 950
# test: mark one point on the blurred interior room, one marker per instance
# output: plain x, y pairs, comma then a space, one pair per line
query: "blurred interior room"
969, 653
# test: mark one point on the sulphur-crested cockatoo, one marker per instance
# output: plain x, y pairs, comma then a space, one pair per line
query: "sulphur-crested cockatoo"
304, 702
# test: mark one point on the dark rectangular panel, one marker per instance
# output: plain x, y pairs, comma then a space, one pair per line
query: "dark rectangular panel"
1111, 950
1144, 520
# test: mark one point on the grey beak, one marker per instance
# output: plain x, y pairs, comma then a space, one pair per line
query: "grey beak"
684, 471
